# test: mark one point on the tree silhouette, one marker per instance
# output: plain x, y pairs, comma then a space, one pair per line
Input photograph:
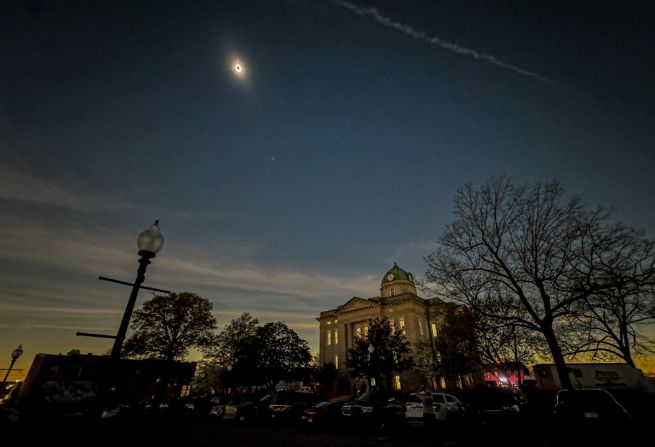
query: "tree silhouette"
231, 342
281, 353
167, 326
380, 353
250, 353
610, 319
526, 256
453, 353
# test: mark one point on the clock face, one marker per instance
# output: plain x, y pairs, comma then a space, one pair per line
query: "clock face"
390, 277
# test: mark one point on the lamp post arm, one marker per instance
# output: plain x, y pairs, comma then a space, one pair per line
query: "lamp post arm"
4, 381
146, 256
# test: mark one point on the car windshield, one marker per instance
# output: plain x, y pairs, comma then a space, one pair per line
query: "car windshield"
372, 397
594, 398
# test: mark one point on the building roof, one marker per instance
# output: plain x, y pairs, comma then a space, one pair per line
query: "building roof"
396, 273
356, 303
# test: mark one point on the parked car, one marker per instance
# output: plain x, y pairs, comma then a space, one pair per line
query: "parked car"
218, 404
592, 416
498, 405
8, 415
375, 408
240, 408
289, 405
325, 413
438, 406
447, 407
263, 407
589, 407
124, 412
415, 406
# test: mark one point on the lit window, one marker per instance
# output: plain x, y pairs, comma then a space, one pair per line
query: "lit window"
329, 323
329, 335
401, 324
393, 326
336, 337
366, 331
358, 331
434, 329
336, 361
397, 382
420, 327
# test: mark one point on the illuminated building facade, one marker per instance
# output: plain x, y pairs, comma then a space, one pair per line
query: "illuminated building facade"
420, 319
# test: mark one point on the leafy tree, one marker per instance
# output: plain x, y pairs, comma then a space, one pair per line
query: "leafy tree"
453, 353
455, 346
281, 353
327, 376
254, 354
521, 254
391, 353
207, 380
167, 326
427, 361
245, 370
231, 343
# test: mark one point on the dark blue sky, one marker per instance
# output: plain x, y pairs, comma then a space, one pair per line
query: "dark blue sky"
289, 190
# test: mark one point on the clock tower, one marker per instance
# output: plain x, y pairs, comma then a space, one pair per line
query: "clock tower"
396, 282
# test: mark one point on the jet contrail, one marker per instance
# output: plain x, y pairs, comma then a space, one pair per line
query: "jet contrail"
408, 30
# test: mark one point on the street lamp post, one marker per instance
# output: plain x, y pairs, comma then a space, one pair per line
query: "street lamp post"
371, 350
14, 356
149, 242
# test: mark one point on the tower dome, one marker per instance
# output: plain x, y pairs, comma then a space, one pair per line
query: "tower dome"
396, 282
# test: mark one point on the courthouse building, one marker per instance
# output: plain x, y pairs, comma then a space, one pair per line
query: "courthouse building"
419, 318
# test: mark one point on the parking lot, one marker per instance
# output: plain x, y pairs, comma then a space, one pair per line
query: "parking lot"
192, 433
194, 425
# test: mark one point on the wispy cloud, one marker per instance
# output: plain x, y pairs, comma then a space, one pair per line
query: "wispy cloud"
261, 279
67, 294
61, 310
98, 251
63, 327
436, 41
20, 186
